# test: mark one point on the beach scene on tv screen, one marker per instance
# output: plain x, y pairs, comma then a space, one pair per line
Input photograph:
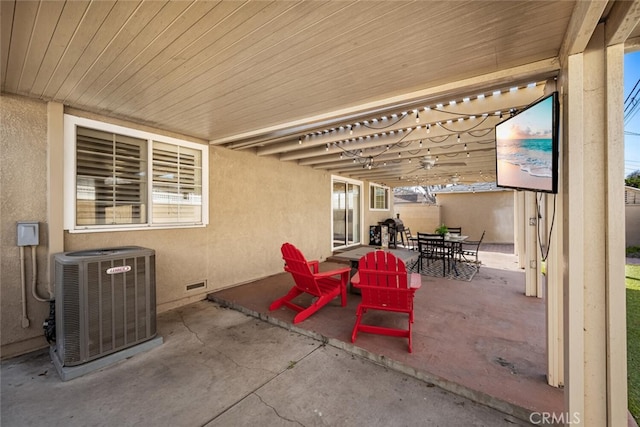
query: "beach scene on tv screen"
524, 148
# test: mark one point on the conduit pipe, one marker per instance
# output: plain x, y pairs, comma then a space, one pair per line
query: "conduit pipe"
25, 318
34, 279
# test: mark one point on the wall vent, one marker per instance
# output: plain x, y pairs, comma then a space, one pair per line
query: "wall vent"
105, 302
199, 285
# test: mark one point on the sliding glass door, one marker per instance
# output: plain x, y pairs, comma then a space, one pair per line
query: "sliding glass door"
346, 209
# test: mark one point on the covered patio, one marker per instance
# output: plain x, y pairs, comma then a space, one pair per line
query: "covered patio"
482, 339
220, 367
273, 114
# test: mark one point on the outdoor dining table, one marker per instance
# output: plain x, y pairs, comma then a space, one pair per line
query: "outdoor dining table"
354, 255
455, 243
451, 245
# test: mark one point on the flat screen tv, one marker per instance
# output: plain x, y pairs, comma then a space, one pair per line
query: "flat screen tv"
527, 148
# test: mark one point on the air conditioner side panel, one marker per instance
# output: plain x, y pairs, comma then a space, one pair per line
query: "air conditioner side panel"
68, 283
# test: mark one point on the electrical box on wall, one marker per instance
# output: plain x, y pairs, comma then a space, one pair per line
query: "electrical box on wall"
28, 233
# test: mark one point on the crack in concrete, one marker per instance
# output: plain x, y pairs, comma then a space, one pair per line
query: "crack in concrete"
255, 390
194, 333
232, 360
291, 365
226, 356
275, 411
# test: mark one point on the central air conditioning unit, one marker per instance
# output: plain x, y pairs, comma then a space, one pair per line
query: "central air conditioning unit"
105, 307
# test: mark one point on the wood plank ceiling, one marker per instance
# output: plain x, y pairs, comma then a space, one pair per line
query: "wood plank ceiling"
264, 76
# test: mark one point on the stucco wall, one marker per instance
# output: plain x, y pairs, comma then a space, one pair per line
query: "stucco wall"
256, 204
419, 217
23, 197
475, 212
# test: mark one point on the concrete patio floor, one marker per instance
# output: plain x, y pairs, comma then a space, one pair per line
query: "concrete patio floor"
478, 360
483, 339
220, 367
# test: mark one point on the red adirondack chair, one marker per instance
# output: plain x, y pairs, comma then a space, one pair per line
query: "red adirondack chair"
383, 281
325, 286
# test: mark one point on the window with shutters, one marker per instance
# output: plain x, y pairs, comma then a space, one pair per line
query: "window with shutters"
128, 179
378, 197
177, 184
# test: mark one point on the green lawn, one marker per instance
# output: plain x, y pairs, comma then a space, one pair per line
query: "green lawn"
632, 273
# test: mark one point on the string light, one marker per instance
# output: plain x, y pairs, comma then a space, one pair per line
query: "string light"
387, 127
397, 118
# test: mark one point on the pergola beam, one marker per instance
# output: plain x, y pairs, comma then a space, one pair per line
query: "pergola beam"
539, 70
621, 22
585, 17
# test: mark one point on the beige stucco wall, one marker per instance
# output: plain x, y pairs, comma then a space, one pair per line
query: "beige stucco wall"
632, 224
256, 204
475, 212
419, 217
23, 195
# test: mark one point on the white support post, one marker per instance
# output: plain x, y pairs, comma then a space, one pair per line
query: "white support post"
554, 291
573, 173
615, 240
595, 311
520, 225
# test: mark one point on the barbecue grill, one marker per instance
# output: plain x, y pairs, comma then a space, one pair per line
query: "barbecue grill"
396, 228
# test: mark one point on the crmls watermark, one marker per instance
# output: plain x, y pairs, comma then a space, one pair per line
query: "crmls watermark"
552, 418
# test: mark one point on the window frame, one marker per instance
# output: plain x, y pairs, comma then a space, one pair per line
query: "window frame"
372, 197
71, 123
